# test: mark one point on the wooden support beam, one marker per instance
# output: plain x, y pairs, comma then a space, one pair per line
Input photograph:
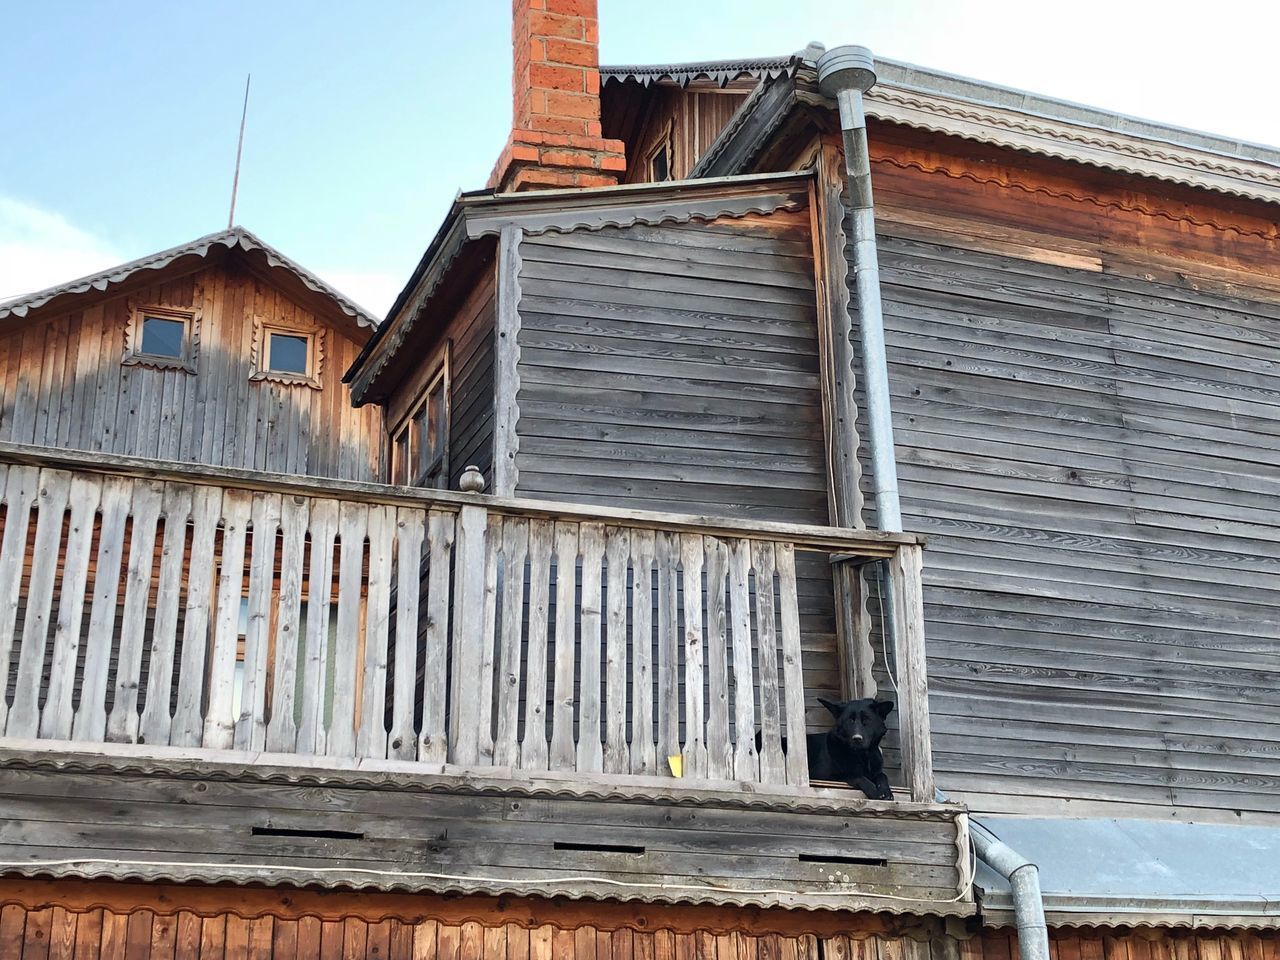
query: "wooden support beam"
913, 683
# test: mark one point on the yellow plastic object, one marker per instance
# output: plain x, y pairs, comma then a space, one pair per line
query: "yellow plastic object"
676, 763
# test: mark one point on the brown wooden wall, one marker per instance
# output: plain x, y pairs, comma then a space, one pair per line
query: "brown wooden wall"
96, 921
694, 118
62, 384
1084, 371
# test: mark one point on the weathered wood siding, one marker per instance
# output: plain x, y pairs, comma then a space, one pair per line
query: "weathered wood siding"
692, 119
63, 384
1085, 404
675, 368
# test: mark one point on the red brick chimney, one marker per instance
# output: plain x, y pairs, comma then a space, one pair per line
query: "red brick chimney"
555, 136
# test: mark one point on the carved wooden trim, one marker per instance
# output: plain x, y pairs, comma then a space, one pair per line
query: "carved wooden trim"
506, 413
188, 316
259, 356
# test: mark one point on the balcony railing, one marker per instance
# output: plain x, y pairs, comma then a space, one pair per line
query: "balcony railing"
217, 610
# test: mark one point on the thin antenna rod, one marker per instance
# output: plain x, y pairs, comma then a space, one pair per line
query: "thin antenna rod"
235, 183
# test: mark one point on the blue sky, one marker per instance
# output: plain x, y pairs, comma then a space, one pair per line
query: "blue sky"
365, 119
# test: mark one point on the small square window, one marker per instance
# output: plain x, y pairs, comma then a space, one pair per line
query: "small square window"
290, 353
287, 354
162, 337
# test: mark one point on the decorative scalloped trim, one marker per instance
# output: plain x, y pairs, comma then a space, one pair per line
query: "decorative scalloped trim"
1130, 206
133, 355
506, 434
789, 205
1023, 123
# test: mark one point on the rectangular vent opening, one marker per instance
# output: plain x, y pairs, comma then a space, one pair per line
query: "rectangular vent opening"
598, 847
309, 834
834, 858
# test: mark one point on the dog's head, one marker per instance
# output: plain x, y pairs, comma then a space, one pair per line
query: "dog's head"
859, 723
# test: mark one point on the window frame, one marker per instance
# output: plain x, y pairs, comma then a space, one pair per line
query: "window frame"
260, 358
187, 316
665, 144
415, 474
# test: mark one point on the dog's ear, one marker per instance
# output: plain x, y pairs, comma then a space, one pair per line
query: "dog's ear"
835, 708
883, 707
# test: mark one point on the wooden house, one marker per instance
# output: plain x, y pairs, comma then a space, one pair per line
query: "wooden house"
525, 688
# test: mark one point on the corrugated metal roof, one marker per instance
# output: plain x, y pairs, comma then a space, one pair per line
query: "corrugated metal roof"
723, 72
234, 238
1109, 872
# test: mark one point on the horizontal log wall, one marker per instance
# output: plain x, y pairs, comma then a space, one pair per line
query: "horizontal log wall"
1085, 397
63, 384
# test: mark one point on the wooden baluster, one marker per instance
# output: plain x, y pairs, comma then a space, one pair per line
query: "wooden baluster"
219, 722
617, 550
372, 739
590, 751
486, 698
24, 718
719, 749
55, 721
188, 721
411, 534
122, 723
315, 652
695, 747
792, 669
22, 488
533, 748
250, 722
353, 523
643, 553
668, 557
746, 762
772, 764
515, 549
469, 622
282, 729
913, 684
441, 527
563, 750
91, 716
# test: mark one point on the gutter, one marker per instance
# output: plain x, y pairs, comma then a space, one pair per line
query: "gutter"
845, 74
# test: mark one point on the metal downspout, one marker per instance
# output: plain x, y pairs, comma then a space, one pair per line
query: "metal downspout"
845, 74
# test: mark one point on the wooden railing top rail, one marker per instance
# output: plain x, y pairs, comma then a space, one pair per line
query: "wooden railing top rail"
859, 543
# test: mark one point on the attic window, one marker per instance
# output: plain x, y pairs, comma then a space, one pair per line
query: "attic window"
163, 337
287, 354
660, 160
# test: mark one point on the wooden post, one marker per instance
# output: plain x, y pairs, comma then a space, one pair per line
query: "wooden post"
906, 570
469, 625
840, 416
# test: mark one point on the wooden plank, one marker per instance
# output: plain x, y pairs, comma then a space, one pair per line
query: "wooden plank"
91, 716
533, 747
617, 555
188, 717
792, 671
772, 762
155, 722
695, 746
746, 763
591, 538
353, 523
719, 746
563, 755
667, 557
219, 720
282, 729
21, 493
372, 739
468, 636
643, 554
486, 700
440, 531
315, 654
515, 550
913, 684
123, 721
54, 494
411, 534
251, 718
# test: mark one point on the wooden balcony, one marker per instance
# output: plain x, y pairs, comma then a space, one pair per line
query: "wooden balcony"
569, 697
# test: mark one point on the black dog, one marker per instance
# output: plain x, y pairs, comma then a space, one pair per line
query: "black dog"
850, 750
